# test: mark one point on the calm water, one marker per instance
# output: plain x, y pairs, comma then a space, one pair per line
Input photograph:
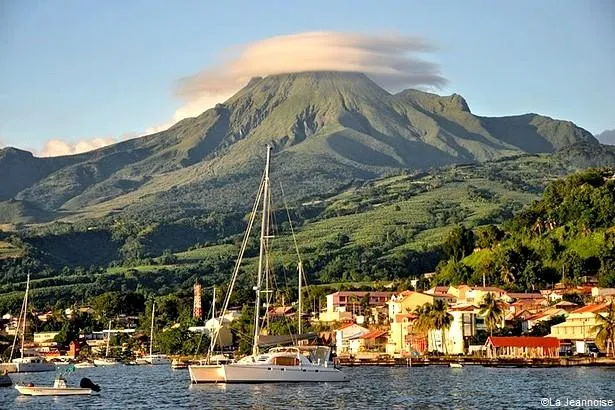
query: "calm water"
148, 387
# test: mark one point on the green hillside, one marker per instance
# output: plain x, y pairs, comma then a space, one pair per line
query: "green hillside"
383, 229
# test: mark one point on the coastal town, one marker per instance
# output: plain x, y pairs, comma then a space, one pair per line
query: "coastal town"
363, 327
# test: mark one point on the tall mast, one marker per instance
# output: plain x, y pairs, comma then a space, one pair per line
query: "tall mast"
263, 247
25, 315
213, 305
108, 340
300, 271
151, 333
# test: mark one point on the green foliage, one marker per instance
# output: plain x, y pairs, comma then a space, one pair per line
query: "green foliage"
492, 312
459, 243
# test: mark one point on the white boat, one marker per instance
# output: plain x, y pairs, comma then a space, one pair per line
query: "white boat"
151, 358
59, 389
27, 364
106, 361
156, 359
286, 364
32, 364
178, 364
456, 365
84, 365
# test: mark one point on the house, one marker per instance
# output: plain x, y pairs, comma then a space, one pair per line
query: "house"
442, 293
373, 341
522, 347
566, 305
399, 341
547, 314
44, 338
282, 311
44, 317
603, 294
346, 333
406, 302
559, 290
345, 305
527, 299
466, 322
579, 327
222, 325
476, 294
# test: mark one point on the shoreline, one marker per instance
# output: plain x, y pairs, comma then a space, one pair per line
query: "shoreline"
478, 361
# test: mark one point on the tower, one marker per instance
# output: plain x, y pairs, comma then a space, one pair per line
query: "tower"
197, 309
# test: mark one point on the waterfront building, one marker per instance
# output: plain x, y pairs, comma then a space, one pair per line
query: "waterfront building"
406, 302
578, 329
526, 347
345, 305
346, 338
372, 341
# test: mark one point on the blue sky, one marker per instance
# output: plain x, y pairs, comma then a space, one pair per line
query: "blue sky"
77, 70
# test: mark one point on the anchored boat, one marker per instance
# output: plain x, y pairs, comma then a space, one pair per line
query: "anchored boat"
283, 364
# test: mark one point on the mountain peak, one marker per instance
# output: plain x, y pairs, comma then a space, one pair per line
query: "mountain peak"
435, 102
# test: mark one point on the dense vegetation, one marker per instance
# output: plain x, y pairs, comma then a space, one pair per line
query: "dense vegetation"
389, 229
566, 235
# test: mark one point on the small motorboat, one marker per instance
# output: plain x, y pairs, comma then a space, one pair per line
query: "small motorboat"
105, 361
86, 387
179, 364
456, 365
84, 365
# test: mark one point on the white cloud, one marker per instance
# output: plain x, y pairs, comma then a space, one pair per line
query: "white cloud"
57, 147
393, 61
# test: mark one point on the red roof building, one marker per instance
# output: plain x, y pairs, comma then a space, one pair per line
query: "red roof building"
522, 346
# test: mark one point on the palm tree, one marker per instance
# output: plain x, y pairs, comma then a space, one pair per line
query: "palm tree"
491, 311
423, 322
441, 319
605, 328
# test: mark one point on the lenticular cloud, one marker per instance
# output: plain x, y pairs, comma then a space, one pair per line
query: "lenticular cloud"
393, 61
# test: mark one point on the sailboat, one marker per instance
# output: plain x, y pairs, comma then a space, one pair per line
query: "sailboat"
106, 361
281, 364
26, 364
155, 359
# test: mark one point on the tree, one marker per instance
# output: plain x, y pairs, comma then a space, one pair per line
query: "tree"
488, 236
605, 328
491, 311
459, 243
433, 317
441, 319
423, 323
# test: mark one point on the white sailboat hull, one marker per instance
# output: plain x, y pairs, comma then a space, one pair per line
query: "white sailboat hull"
52, 391
105, 362
206, 373
238, 373
84, 365
34, 367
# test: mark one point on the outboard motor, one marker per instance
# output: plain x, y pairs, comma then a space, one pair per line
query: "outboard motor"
88, 384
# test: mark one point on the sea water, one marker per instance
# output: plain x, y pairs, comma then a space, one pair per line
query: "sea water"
433, 387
